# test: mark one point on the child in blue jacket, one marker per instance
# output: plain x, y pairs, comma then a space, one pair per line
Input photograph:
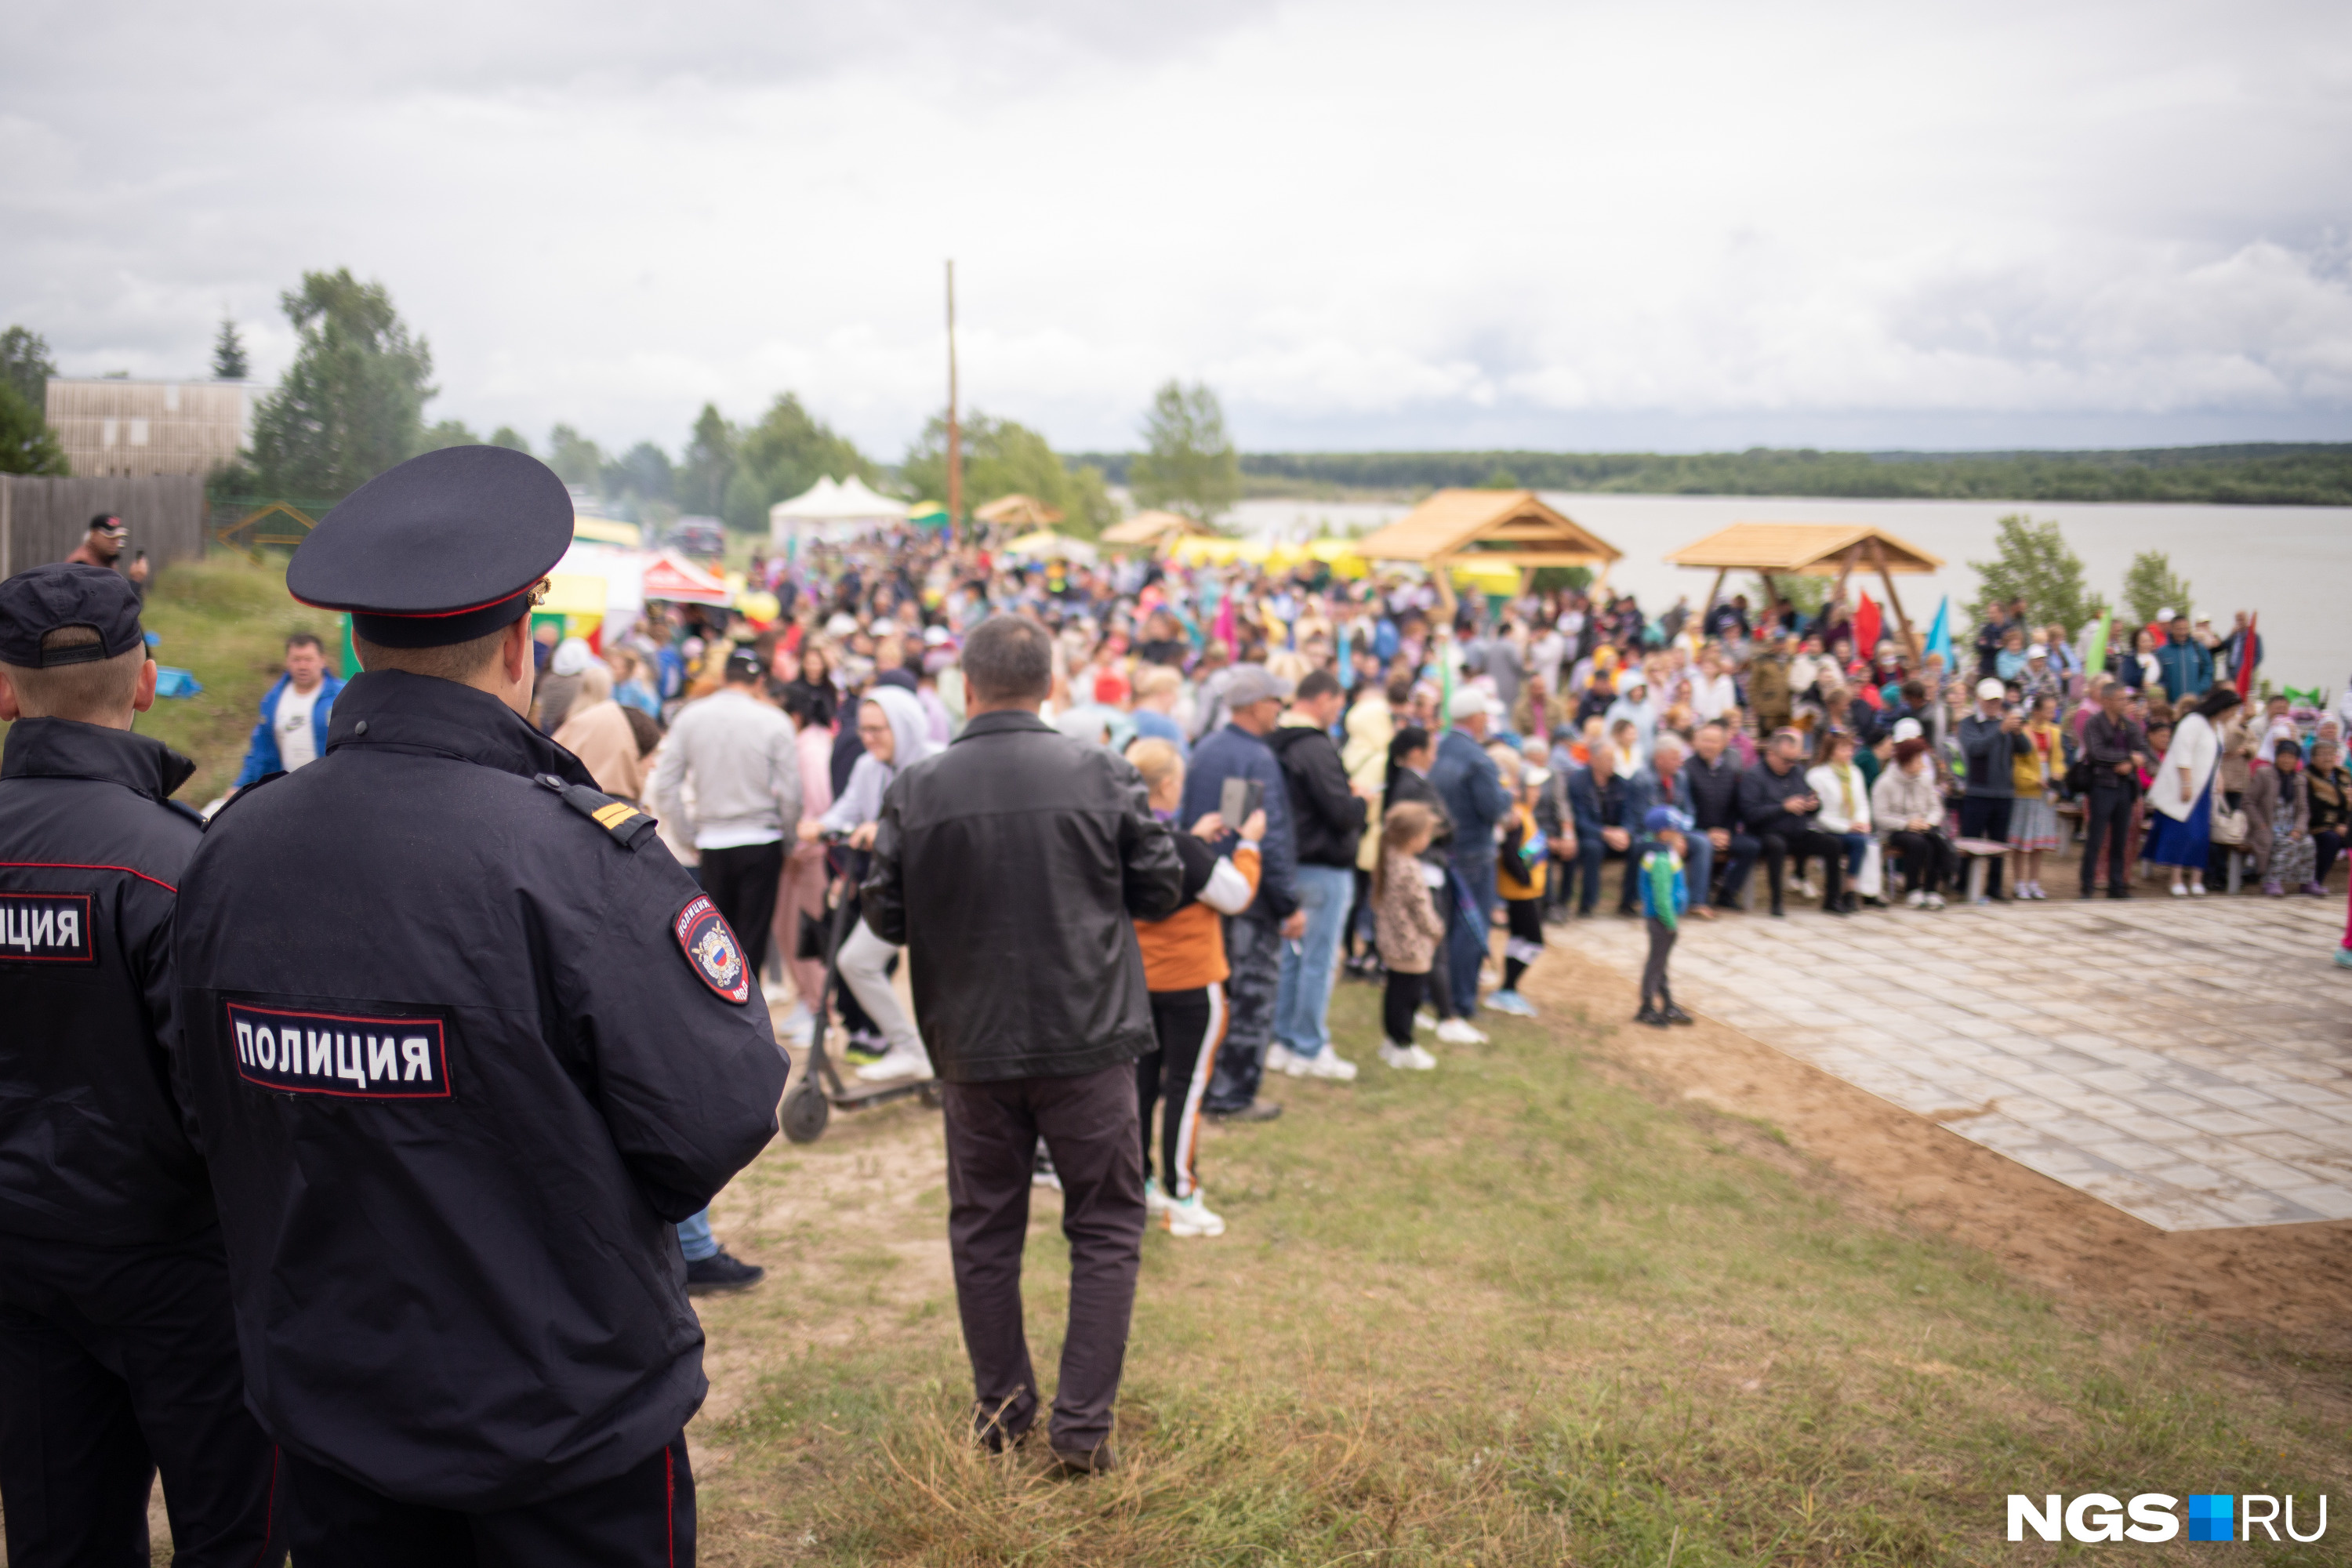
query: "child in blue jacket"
1665, 897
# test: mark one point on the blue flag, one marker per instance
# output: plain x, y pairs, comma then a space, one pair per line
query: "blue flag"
1939, 635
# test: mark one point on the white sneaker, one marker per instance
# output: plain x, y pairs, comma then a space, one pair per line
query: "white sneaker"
1935, 900
1807, 890
1191, 1217
2195, 890
2180, 889
1424, 1020
799, 1027
1512, 1002
1278, 1058
1326, 1064
1406, 1058
1154, 1200
1460, 1032
898, 1062
1919, 898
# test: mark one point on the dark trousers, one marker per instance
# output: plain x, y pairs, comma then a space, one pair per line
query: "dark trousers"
1777, 846
2106, 823
642, 1517
1089, 1123
743, 883
1468, 922
1927, 858
115, 1362
1739, 859
1399, 1000
2327, 845
1189, 1026
1986, 816
1254, 962
1523, 919
1654, 993
1593, 857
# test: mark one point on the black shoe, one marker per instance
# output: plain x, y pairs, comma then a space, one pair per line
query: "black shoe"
1099, 1460
1839, 908
1650, 1016
1255, 1111
2120, 892
1675, 1014
718, 1272
1779, 913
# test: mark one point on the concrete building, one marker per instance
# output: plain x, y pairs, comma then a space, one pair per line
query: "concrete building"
115, 428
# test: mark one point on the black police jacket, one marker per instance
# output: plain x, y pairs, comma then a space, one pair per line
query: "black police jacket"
92, 1148
460, 1056
1014, 865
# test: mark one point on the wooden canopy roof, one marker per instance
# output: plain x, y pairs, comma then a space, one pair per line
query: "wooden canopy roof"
1017, 511
1806, 550
1156, 528
1506, 528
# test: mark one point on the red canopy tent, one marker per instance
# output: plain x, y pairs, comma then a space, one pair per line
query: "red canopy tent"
681, 581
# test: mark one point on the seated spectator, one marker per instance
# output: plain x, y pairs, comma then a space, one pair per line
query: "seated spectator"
1845, 796
1776, 808
1712, 782
1596, 798
2278, 826
1906, 812
1666, 782
2328, 784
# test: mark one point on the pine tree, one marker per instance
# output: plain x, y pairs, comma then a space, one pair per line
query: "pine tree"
229, 363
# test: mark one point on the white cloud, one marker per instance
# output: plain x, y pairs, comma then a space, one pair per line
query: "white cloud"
1669, 225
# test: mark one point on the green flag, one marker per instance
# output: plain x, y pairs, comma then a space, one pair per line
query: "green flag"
2095, 660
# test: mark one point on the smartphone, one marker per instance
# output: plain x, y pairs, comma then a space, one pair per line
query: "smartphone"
1237, 799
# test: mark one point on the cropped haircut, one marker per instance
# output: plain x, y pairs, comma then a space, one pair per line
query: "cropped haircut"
1317, 683
306, 639
457, 662
92, 691
1009, 658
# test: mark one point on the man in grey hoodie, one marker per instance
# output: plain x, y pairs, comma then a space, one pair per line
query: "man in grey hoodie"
737, 753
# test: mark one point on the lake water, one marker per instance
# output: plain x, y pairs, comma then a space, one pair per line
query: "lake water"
2292, 565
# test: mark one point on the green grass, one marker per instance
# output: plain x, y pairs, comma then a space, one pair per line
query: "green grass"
1512, 1311
226, 619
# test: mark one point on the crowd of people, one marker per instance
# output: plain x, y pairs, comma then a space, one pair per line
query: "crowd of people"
1369, 778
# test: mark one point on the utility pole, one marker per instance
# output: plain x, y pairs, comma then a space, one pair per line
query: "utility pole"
955, 431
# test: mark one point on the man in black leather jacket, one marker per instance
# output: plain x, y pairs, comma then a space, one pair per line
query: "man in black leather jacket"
1013, 866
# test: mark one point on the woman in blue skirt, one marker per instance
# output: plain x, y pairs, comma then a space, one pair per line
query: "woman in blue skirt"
2180, 800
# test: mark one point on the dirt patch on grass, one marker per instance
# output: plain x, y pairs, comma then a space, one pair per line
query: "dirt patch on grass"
2289, 1279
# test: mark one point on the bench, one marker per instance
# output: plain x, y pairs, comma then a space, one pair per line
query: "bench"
1976, 852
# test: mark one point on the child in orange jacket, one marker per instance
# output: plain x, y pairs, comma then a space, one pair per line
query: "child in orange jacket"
1184, 969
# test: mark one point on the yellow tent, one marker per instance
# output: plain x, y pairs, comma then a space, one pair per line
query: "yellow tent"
1199, 552
1045, 542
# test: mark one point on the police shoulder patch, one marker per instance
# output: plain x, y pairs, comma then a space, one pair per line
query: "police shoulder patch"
614, 815
709, 945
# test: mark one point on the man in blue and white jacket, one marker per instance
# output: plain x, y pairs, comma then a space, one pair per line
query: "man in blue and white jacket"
293, 727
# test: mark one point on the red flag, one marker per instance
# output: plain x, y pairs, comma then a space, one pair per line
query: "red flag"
2246, 658
1867, 624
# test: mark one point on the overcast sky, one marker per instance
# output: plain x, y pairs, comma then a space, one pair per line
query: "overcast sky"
1367, 225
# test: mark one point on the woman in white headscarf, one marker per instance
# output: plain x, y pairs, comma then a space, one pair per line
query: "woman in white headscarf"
896, 734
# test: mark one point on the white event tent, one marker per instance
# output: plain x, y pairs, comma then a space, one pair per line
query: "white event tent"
832, 510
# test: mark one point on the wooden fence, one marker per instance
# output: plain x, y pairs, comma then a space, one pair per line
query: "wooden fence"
44, 520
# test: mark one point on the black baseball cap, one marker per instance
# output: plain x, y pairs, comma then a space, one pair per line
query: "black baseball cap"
445, 548
50, 598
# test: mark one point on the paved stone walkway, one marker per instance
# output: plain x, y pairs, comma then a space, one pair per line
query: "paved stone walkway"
2190, 1062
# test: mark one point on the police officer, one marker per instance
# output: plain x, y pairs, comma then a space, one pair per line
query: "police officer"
118, 1353
464, 1043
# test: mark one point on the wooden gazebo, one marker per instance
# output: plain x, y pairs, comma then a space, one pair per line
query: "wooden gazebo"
1017, 511
1811, 550
1156, 530
1488, 528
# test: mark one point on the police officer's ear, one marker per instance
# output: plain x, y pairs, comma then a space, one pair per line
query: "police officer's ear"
9, 712
142, 696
